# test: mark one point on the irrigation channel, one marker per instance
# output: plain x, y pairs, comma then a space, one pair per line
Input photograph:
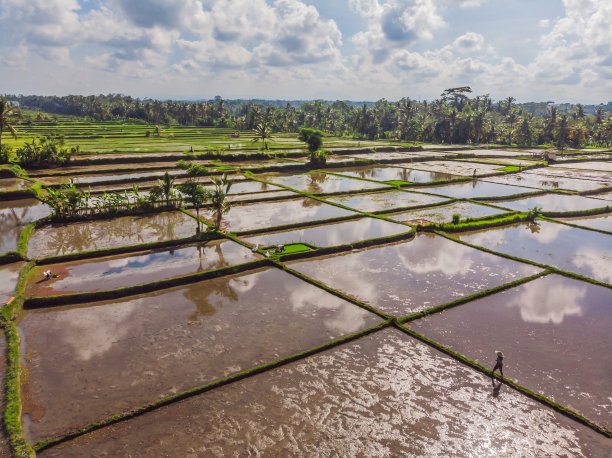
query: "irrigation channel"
351, 310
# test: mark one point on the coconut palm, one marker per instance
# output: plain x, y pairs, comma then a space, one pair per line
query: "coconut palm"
262, 132
165, 188
219, 199
8, 114
197, 195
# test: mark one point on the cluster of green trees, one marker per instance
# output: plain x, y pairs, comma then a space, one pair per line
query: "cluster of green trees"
455, 117
69, 201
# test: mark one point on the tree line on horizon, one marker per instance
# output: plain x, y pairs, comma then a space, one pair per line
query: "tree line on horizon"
455, 117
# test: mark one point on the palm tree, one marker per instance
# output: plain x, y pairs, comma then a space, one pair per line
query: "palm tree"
262, 132
165, 188
8, 113
219, 201
197, 195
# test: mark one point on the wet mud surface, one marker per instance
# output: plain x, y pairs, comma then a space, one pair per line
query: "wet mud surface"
555, 333
455, 168
407, 277
321, 183
87, 363
604, 177
53, 240
475, 189
393, 174
135, 269
91, 179
387, 200
384, 395
14, 215
9, 274
9, 184
546, 182
604, 166
552, 203
331, 234
444, 213
580, 251
282, 212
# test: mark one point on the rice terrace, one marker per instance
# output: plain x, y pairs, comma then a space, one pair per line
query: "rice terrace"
304, 274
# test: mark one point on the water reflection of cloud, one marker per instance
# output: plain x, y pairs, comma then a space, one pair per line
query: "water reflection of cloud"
546, 232
347, 318
244, 283
548, 304
93, 331
443, 256
599, 262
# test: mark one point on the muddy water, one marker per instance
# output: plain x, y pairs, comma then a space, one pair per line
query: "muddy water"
603, 196
91, 179
601, 222
319, 183
98, 168
546, 182
599, 176
493, 152
388, 155
8, 184
552, 203
444, 213
555, 333
385, 200
331, 234
146, 185
280, 213
580, 251
260, 195
384, 395
393, 174
14, 215
455, 167
5, 448
87, 363
53, 240
406, 277
9, 274
135, 269
475, 189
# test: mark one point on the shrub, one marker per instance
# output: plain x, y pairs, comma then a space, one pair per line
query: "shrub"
5, 153
318, 158
456, 218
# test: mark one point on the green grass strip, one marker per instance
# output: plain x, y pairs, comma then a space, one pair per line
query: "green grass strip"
53, 441
526, 391
602, 190
477, 224
24, 238
588, 212
473, 297
76, 298
512, 197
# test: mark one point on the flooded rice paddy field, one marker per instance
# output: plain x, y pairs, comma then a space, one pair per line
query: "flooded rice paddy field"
14, 216
386, 200
602, 179
85, 363
59, 239
460, 168
552, 203
331, 234
320, 183
411, 276
280, 213
378, 173
91, 179
444, 213
554, 311
113, 272
10, 184
605, 166
568, 248
382, 393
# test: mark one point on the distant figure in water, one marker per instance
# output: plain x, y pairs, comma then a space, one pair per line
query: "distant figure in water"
48, 274
499, 364
474, 174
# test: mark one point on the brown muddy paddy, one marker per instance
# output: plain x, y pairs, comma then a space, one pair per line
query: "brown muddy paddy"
134, 269
455, 167
494, 152
320, 183
555, 333
14, 215
91, 179
379, 201
8, 184
331, 234
601, 222
552, 203
59, 239
444, 213
580, 251
88, 363
411, 276
9, 274
376, 172
601, 178
97, 168
279, 213
475, 189
385, 155
384, 395
545, 182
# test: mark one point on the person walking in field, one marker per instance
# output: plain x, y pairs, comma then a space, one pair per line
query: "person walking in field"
499, 364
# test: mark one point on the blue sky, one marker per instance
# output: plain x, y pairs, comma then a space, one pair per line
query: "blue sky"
557, 50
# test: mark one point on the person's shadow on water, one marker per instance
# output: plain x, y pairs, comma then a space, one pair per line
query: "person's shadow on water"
496, 388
